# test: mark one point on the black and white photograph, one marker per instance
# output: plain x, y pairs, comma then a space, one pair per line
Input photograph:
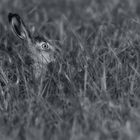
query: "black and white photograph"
69, 70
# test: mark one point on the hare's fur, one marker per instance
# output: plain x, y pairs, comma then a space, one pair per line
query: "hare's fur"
41, 50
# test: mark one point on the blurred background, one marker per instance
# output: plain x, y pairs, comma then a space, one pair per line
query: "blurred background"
51, 15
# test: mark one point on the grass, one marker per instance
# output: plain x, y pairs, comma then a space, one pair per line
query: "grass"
92, 91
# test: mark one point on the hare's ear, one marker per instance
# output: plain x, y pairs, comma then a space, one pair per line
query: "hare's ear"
18, 26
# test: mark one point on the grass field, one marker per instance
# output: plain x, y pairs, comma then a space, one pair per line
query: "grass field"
92, 90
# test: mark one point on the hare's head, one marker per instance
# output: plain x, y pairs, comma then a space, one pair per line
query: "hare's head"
41, 49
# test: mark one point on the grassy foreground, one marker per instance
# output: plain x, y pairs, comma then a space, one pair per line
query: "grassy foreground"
92, 91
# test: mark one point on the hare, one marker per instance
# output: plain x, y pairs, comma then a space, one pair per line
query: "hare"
41, 50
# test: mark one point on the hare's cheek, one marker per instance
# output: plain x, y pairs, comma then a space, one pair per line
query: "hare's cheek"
44, 57
52, 58
48, 57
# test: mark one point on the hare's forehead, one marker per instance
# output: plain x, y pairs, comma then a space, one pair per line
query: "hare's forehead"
40, 39
41, 43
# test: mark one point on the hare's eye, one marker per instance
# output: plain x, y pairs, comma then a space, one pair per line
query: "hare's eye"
45, 46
